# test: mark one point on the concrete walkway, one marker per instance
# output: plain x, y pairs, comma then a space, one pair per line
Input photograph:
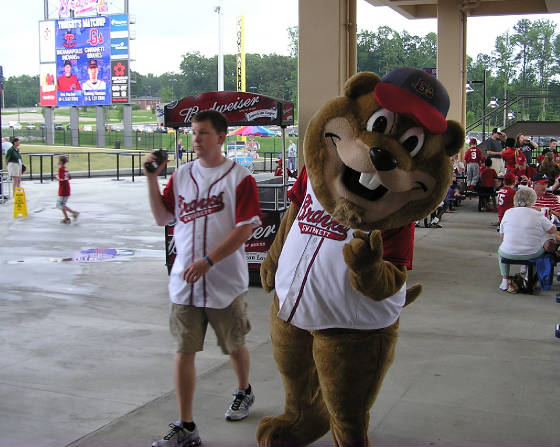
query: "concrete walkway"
86, 358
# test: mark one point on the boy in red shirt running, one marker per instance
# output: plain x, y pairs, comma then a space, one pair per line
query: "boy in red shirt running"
472, 158
505, 195
63, 178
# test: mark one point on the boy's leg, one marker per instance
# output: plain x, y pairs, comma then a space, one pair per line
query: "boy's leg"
188, 325
185, 380
240, 362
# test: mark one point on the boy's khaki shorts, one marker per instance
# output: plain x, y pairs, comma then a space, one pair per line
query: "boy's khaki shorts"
188, 325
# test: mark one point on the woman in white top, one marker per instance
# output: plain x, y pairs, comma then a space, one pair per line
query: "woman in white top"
525, 233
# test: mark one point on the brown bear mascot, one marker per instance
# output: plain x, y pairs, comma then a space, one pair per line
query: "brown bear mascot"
376, 160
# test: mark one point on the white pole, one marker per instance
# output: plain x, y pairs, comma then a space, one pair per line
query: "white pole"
219, 10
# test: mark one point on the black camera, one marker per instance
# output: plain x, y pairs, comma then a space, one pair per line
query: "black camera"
161, 156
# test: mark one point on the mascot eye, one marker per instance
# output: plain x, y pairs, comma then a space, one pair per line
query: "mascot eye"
381, 121
413, 140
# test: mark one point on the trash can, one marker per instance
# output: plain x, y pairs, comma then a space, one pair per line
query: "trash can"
117, 144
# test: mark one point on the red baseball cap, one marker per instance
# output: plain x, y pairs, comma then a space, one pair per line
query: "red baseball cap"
414, 92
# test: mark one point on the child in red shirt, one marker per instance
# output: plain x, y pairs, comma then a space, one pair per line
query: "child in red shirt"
63, 178
473, 158
511, 155
505, 195
487, 187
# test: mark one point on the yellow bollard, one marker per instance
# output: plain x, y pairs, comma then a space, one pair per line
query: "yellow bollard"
20, 204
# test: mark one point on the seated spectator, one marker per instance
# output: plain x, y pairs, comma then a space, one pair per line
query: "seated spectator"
505, 195
551, 148
524, 232
524, 171
511, 155
473, 158
550, 168
545, 201
453, 194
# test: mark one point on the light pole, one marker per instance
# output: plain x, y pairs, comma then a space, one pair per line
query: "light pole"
483, 82
219, 10
172, 80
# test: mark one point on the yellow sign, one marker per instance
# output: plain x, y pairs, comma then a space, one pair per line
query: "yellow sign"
20, 204
240, 60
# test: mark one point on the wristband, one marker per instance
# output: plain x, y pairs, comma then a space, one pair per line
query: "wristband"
209, 261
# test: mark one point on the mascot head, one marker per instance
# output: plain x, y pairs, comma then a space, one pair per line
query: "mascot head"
379, 156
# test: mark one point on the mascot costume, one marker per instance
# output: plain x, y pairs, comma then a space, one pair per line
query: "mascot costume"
376, 160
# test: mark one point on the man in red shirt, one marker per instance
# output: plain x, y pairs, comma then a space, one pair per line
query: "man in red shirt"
505, 195
546, 201
472, 158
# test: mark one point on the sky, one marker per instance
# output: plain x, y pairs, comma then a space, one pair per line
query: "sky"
167, 29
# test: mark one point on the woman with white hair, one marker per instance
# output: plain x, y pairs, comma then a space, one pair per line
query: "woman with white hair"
525, 234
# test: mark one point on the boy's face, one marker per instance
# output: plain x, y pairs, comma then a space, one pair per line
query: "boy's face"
206, 141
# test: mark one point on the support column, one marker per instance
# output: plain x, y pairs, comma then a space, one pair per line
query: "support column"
127, 124
48, 113
325, 61
74, 126
100, 125
451, 56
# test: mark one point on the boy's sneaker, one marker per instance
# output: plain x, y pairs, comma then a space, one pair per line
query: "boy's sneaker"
75, 215
239, 408
179, 437
65, 221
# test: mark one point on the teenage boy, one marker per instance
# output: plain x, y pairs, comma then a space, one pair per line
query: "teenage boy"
216, 207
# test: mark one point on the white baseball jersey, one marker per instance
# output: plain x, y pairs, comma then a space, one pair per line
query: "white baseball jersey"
209, 203
312, 280
99, 85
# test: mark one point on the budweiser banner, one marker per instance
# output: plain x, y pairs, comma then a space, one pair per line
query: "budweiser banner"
240, 108
256, 248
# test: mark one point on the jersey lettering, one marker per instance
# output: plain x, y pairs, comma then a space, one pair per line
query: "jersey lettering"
196, 208
319, 222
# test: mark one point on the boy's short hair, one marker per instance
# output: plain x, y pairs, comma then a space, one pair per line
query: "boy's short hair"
488, 162
218, 119
63, 159
510, 142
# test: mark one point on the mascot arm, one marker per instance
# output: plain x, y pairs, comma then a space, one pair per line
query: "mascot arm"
370, 275
270, 264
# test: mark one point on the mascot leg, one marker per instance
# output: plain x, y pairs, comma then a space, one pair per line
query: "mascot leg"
305, 417
351, 366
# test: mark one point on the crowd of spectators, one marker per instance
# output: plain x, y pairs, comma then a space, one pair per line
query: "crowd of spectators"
511, 177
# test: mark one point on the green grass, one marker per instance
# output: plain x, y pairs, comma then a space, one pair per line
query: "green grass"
100, 160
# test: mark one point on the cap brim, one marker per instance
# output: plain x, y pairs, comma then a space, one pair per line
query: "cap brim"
541, 181
401, 101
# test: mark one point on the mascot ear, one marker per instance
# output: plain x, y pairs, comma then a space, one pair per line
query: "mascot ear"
360, 84
453, 138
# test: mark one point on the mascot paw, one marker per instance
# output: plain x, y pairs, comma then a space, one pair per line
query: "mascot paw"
268, 272
364, 250
283, 430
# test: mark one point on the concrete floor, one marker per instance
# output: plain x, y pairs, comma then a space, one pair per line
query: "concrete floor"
85, 354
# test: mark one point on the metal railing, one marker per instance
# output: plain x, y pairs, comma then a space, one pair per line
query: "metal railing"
43, 165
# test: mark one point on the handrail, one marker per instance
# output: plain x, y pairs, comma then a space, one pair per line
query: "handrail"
511, 101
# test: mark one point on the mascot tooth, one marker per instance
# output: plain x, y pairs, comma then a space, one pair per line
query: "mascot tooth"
376, 160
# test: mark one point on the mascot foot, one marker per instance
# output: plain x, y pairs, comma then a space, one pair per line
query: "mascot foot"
285, 430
